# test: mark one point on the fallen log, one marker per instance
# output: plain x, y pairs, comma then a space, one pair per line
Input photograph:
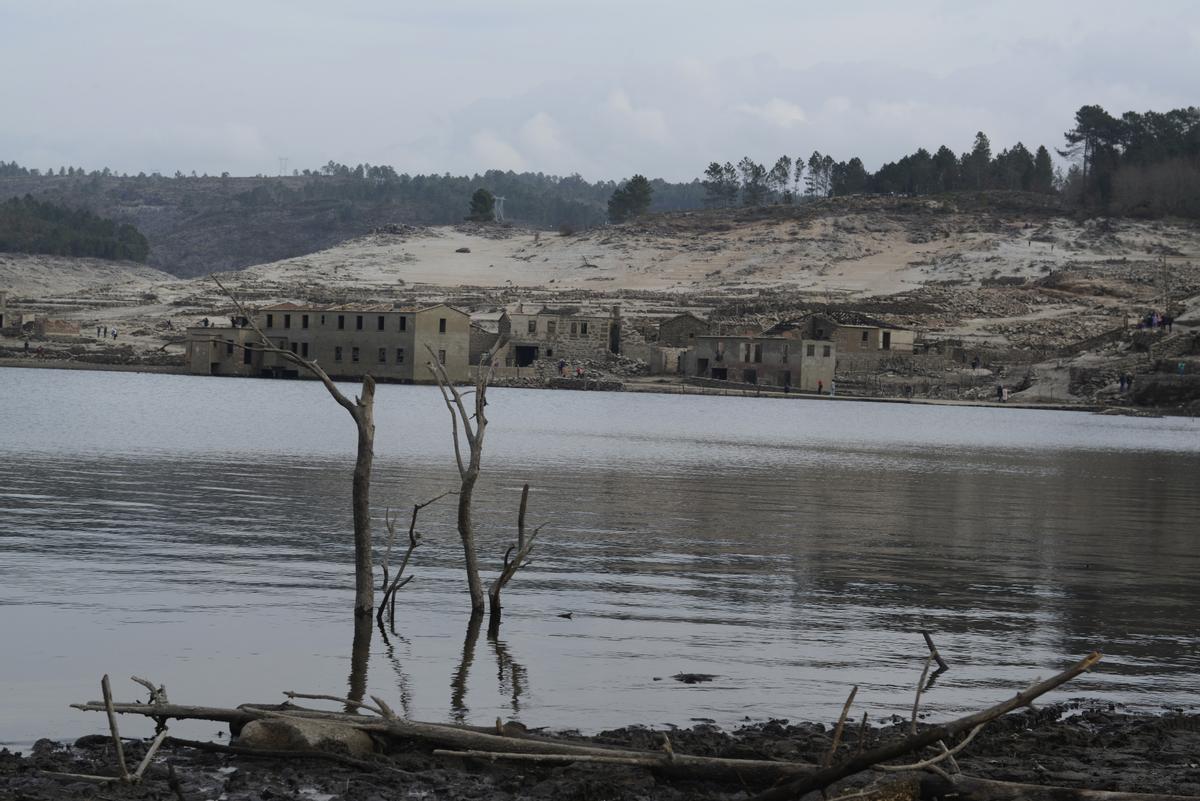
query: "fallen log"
824, 777
458, 738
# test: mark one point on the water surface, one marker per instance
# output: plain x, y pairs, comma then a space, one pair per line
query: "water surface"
197, 531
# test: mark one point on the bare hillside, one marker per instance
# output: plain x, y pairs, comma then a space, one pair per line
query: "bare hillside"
1020, 284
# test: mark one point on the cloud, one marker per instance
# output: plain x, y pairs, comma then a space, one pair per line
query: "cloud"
498, 154
645, 123
776, 111
542, 134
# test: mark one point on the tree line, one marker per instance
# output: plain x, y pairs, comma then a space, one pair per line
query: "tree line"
1146, 164
536, 199
32, 226
750, 183
1142, 164
1136, 163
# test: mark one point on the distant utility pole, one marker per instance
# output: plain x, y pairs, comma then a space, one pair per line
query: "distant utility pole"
498, 209
283, 165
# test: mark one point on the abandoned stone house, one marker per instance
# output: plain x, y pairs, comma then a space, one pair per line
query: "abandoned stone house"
347, 341
681, 330
781, 361
856, 335
562, 333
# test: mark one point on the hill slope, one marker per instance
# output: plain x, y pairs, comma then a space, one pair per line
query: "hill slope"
200, 225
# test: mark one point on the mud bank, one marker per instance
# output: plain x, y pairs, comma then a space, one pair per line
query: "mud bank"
1075, 746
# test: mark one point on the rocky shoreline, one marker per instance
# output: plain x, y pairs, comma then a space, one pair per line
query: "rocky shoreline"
1077, 745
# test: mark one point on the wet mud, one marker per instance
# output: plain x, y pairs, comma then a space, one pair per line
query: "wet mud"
1074, 745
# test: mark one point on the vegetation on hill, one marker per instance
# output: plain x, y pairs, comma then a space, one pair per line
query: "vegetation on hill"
631, 199
31, 226
1136, 164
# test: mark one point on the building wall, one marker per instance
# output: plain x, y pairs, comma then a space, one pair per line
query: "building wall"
454, 341
680, 331
482, 341
775, 361
556, 336
46, 327
380, 347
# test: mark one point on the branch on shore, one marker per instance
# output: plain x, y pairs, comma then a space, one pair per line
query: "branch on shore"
786, 780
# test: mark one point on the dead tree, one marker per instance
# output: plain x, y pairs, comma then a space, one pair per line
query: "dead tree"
514, 557
362, 410
390, 586
474, 425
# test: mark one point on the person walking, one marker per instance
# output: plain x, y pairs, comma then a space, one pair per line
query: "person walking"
999, 393
832, 388
820, 387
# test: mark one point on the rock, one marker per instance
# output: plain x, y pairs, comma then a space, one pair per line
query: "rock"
463, 250
305, 735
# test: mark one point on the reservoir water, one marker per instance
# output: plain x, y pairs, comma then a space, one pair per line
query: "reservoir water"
197, 531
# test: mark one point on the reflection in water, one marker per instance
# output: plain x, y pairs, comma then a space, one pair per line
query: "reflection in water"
509, 672
403, 682
458, 683
790, 547
360, 660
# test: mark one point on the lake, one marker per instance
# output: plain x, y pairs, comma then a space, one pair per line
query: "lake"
197, 531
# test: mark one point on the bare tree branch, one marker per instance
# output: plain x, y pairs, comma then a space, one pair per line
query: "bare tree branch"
361, 410
826, 776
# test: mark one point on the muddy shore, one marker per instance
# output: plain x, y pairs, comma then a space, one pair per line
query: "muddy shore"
1076, 745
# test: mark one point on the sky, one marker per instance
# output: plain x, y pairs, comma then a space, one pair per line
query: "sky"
603, 89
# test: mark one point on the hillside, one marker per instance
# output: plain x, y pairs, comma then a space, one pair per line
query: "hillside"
1007, 278
32, 226
199, 225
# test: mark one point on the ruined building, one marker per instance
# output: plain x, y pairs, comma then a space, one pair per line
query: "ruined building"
777, 361
347, 341
562, 333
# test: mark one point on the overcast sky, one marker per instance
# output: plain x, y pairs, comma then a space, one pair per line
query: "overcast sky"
605, 89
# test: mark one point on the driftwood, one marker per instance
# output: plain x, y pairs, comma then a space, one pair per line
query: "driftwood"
826, 776
787, 780
157, 695
466, 741
268, 753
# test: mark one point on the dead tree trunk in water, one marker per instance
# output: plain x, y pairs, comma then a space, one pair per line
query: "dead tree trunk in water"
362, 410
474, 426
512, 563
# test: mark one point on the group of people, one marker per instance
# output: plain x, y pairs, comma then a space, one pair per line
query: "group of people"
562, 369
104, 333
1154, 320
1126, 382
